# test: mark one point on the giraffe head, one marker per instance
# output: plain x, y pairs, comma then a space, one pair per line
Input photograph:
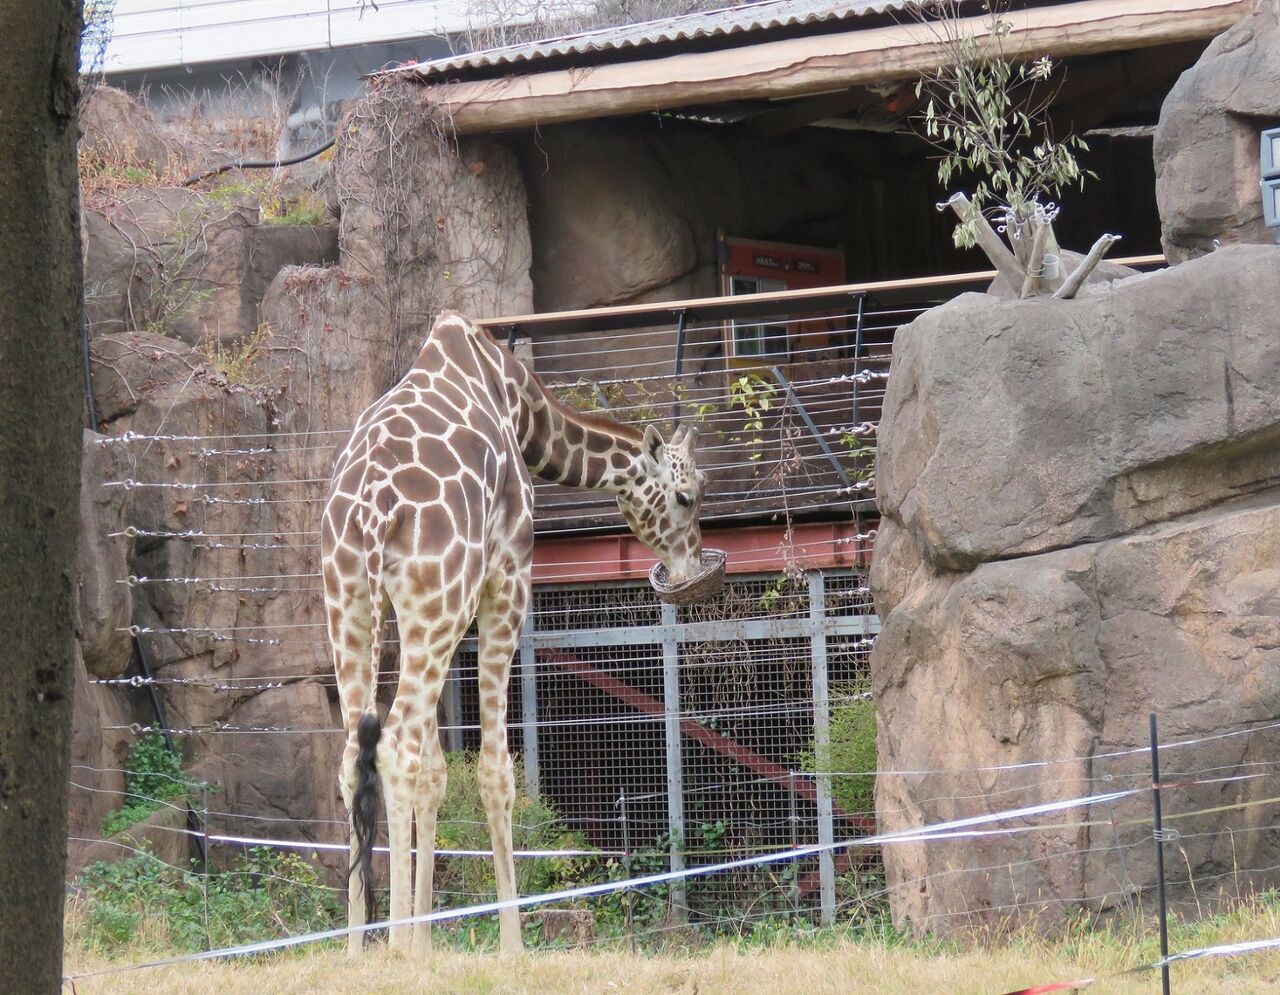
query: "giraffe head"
662, 499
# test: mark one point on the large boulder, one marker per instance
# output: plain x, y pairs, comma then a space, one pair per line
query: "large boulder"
1085, 418
1080, 527
1207, 142
189, 265
230, 616
117, 132
1059, 657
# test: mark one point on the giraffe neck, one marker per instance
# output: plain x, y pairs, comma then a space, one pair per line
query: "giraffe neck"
574, 448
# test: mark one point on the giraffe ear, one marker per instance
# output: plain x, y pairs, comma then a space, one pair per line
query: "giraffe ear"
653, 444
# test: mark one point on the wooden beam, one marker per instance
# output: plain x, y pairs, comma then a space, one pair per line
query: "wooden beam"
624, 316
804, 111
812, 64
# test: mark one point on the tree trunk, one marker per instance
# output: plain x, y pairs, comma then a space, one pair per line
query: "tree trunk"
41, 407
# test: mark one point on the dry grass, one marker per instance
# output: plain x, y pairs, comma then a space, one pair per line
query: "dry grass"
888, 967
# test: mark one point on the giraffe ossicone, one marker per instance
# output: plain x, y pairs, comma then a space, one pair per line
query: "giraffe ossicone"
430, 509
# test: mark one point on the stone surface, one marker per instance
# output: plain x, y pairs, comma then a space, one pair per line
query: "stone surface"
1081, 526
1062, 655
99, 750
568, 927
163, 834
1207, 144
188, 265
118, 272
131, 366
1087, 418
240, 649
433, 223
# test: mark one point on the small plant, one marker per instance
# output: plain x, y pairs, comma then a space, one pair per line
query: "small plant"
153, 777
988, 117
859, 456
107, 170
754, 395
304, 208
237, 360
462, 825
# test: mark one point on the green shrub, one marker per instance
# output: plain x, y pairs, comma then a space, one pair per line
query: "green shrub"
462, 825
153, 777
143, 900
304, 208
852, 750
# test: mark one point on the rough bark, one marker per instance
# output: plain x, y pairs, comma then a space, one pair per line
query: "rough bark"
41, 411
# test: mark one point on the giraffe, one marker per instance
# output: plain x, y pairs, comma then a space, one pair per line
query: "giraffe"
431, 509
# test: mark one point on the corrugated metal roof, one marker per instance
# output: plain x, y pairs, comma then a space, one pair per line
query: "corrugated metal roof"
743, 19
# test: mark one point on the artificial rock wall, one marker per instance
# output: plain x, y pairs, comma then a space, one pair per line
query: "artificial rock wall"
1080, 526
207, 321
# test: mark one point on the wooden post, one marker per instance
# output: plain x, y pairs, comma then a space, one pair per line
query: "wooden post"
1075, 281
989, 241
1035, 261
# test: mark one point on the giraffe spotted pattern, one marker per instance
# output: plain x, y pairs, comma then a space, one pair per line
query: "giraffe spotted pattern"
431, 511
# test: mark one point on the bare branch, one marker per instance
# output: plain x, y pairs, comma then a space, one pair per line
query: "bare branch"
1071, 286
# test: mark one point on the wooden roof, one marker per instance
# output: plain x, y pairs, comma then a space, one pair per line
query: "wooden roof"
820, 66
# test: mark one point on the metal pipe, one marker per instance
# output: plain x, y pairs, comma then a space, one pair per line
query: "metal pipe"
157, 706
812, 426
681, 318
1159, 838
857, 349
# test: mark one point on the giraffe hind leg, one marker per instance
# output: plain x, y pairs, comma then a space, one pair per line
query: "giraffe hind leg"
432, 780
500, 619
414, 781
349, 634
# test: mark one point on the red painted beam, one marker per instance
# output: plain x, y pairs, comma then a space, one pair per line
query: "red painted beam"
758, 549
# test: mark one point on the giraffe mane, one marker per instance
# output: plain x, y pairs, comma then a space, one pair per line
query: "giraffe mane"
590, 419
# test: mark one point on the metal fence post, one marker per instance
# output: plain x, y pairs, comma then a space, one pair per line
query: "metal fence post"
529, 710
1159, 838
675, 756
451, 735
628, 895
822, 744
794, 818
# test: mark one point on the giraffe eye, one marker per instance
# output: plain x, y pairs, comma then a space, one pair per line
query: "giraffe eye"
683, 499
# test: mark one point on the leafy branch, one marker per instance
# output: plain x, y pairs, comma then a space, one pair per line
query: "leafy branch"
987, 116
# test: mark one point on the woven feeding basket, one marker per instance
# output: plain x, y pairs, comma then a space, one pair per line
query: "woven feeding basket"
706, 585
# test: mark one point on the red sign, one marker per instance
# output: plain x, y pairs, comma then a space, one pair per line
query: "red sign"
800, 267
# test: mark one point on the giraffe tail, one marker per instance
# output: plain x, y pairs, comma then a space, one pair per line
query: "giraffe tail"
364, 805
